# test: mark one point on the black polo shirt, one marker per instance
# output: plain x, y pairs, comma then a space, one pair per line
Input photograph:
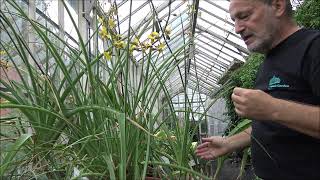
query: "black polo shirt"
291, 71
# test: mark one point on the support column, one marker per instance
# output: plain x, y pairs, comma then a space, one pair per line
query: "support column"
94, 26
31, 38
31, 41
83, 29
61, 33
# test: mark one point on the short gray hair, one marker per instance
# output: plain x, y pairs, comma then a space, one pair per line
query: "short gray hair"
288, 11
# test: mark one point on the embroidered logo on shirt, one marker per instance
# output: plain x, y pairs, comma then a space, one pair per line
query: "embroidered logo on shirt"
275, 82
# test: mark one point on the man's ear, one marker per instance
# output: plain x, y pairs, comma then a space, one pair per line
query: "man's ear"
279, 7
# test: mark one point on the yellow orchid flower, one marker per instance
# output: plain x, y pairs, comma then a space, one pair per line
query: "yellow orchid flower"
155, 34
5, 64
107, 55
103, 30
136, 42
111, 23
132, 47
161, 47
101, 21
119, 44
2, 52
151, 38
104, 33
118, 36
168, 30
146, 45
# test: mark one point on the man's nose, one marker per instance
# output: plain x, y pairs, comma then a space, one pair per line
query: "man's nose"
239, 27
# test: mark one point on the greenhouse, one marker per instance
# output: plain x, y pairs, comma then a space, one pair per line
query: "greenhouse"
156, 89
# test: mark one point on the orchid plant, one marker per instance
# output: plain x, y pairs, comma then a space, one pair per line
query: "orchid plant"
69, 121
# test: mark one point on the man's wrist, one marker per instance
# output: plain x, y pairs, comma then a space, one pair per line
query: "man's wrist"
228, 145
238, 141
274, 112
231, 144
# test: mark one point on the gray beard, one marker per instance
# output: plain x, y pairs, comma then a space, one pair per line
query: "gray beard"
263, 47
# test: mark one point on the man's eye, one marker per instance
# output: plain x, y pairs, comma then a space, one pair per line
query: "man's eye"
244, 16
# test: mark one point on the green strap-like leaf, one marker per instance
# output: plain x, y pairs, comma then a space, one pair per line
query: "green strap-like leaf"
12, 151
244, 124
123, 162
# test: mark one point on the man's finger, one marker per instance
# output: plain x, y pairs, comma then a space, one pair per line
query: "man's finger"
239, 106
203, 145
204, 153
236, 98
201, 150
207, 153
238, 91
239, 112
207, 139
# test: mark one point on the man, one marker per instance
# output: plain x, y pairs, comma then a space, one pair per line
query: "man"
285, 104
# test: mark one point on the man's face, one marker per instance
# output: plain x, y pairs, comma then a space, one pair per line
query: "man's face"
255, 22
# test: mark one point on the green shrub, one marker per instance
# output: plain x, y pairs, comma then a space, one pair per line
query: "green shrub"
308, 14
243, 77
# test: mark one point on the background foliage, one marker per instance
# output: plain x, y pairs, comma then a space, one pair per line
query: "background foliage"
243, 77
308, 14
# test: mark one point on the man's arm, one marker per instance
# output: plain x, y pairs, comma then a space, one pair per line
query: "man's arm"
240, 140
258, 105
216, 146
300, 117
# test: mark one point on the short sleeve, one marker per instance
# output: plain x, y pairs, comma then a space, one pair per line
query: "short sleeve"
312, 66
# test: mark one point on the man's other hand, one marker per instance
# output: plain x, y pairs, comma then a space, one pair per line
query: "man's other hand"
253, 104
212, 147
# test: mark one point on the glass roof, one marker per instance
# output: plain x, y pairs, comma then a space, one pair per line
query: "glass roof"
204, 25
215, 46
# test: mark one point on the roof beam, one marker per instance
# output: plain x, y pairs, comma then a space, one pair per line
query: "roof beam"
193, 21
200, 75
202, 59
223, 64
212, 68
150, 14
177, 90
216, 5
210, 86
200, 67
215, 41
208, 44
229, 32
205, 71
195, 88
223, 39
201, 85
218, 17
135, 11
218, 56
208, 80
214, 85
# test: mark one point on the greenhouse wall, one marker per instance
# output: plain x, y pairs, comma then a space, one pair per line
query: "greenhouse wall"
217, 120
